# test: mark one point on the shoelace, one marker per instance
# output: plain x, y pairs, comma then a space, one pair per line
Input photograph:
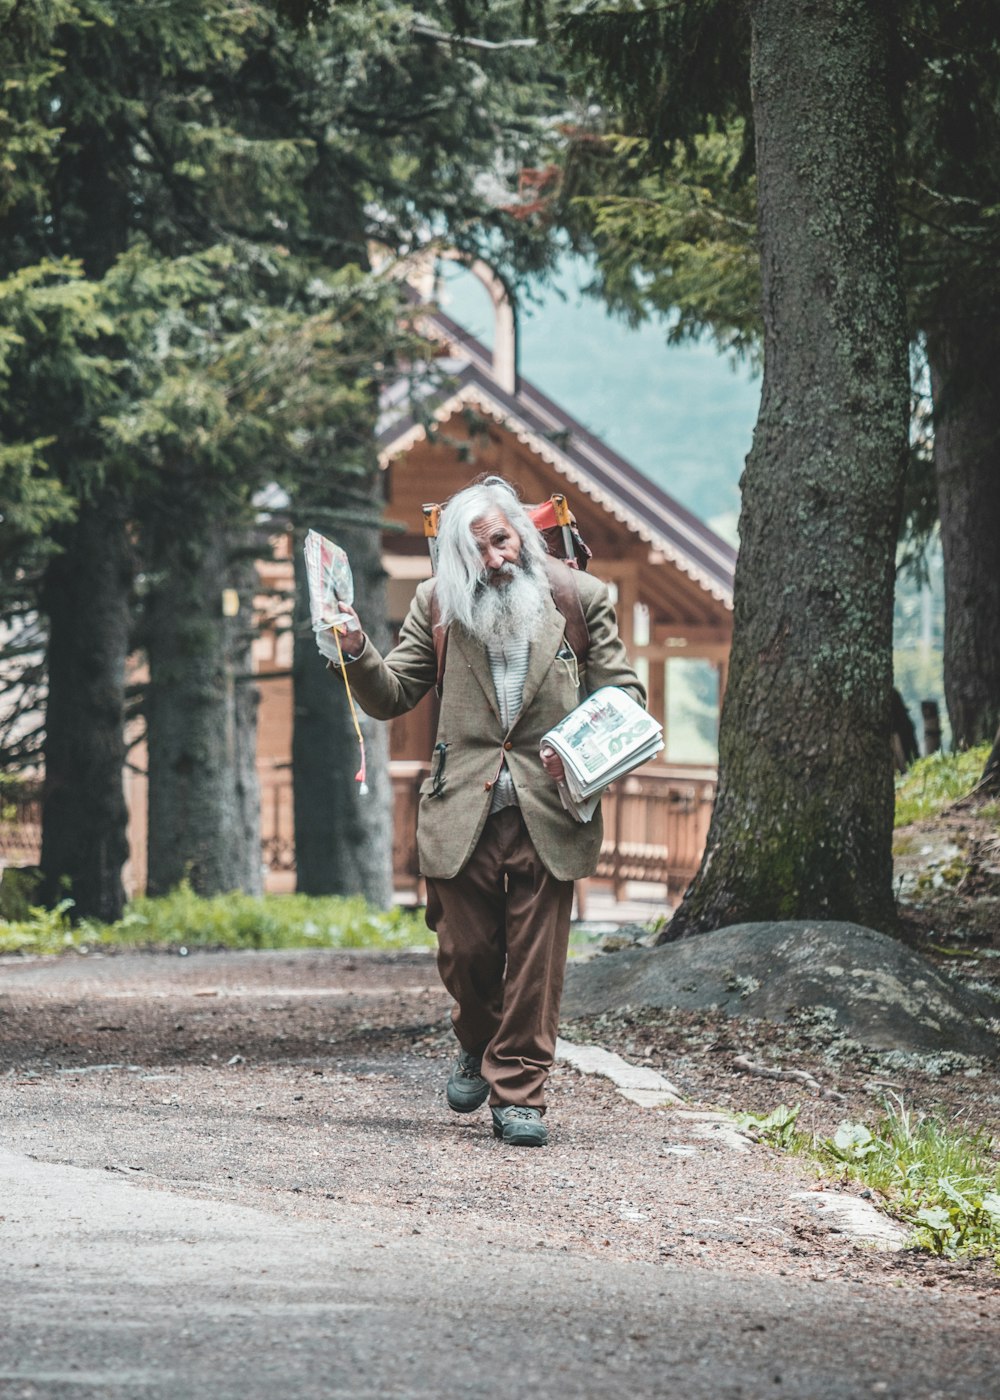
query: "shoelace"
518, 1112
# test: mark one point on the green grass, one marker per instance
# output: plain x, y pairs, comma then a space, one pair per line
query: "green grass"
936, 781
184, 919
941, 1180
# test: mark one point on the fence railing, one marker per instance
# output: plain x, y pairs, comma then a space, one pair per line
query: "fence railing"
655, 825
20, 830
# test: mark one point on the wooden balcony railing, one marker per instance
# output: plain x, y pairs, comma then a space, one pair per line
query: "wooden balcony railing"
655, 825
20, 831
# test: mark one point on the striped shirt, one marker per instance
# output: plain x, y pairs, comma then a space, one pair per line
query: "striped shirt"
508, 658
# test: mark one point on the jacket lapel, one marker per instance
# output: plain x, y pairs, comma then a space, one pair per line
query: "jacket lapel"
475, 657
544, 645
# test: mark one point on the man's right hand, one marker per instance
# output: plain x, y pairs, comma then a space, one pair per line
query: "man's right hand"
552, 764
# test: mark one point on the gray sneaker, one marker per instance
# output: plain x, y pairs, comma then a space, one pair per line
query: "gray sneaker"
467, 1089
519, 1127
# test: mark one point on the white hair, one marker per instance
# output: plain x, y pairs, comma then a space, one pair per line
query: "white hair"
461, 573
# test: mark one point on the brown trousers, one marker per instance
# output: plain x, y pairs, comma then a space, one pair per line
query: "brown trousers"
502, 925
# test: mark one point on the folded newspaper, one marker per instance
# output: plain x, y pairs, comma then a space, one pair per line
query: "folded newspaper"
330, 582
601, 740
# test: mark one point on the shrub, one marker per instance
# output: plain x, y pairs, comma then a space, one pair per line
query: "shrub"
18, 888
937, 781
41, 931
185, 919
943, 1182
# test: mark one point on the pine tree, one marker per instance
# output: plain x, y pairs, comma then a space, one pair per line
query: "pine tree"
673, 232
802, 823
950, 200
83, 838
45, 336
109, 67
180, 134
435, 124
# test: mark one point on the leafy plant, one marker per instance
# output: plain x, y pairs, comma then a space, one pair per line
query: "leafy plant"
964, 1224
852, 1142
184, 919
40, 931
18, 890
944, 1183
936, 781
777, 1129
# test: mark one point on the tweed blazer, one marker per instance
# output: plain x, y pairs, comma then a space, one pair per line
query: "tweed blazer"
450, 821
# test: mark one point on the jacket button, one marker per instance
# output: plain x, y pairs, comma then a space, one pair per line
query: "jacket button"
487, 786
507, 744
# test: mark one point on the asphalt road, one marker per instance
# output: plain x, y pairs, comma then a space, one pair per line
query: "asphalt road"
117, 1282
111, 1289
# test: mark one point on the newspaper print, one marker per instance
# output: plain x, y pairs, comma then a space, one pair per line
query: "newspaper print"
598, 736
330, 581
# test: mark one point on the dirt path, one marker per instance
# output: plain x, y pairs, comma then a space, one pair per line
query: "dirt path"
176, 1126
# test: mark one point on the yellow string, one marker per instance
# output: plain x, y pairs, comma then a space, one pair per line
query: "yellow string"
362, 774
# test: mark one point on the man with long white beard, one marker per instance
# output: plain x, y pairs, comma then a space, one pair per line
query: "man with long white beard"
497, 848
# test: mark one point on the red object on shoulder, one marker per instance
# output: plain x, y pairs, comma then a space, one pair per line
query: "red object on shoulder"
546, 519
544, 516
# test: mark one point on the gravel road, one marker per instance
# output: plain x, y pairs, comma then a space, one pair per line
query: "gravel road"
235, 1175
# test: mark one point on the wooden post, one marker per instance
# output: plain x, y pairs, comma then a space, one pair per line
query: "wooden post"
618, 879
657, 697
932, 726
624, 607
582, 887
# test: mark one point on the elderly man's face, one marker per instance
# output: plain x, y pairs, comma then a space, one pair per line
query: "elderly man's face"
499, 544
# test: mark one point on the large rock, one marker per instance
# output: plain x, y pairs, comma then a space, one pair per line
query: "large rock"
878, 992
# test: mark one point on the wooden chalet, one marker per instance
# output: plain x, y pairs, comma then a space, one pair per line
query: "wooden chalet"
671, 574
672, 577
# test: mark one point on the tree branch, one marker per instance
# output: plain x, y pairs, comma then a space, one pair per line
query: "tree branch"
440, 36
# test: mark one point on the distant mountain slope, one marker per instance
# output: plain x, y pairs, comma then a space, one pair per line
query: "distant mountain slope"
681, 414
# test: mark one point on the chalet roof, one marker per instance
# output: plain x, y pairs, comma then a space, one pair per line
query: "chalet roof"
587, 463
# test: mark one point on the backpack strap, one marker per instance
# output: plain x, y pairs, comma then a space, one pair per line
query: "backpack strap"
566, 596
440, 635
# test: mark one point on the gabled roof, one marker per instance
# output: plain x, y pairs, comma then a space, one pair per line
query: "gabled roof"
587, 463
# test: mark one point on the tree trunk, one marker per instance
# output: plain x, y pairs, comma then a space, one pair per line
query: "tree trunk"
86, 596
964, 356
201, 714
803, 823
343, 839
246, 854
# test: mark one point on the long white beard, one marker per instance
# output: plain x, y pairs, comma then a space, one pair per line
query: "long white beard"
513, 608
